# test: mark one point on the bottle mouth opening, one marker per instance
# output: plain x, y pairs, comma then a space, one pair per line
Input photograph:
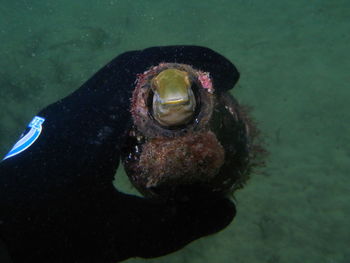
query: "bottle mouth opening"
178, 113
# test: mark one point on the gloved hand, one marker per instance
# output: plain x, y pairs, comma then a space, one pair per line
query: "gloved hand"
57, 201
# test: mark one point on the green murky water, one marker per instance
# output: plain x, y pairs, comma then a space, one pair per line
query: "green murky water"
294, 60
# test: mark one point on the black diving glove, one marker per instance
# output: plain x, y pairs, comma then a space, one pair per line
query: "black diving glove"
57, 200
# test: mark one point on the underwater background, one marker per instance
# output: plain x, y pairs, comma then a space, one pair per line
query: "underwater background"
294, 59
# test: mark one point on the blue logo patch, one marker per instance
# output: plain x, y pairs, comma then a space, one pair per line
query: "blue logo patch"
27, 139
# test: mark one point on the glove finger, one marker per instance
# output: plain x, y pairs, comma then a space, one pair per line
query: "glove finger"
145, 228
